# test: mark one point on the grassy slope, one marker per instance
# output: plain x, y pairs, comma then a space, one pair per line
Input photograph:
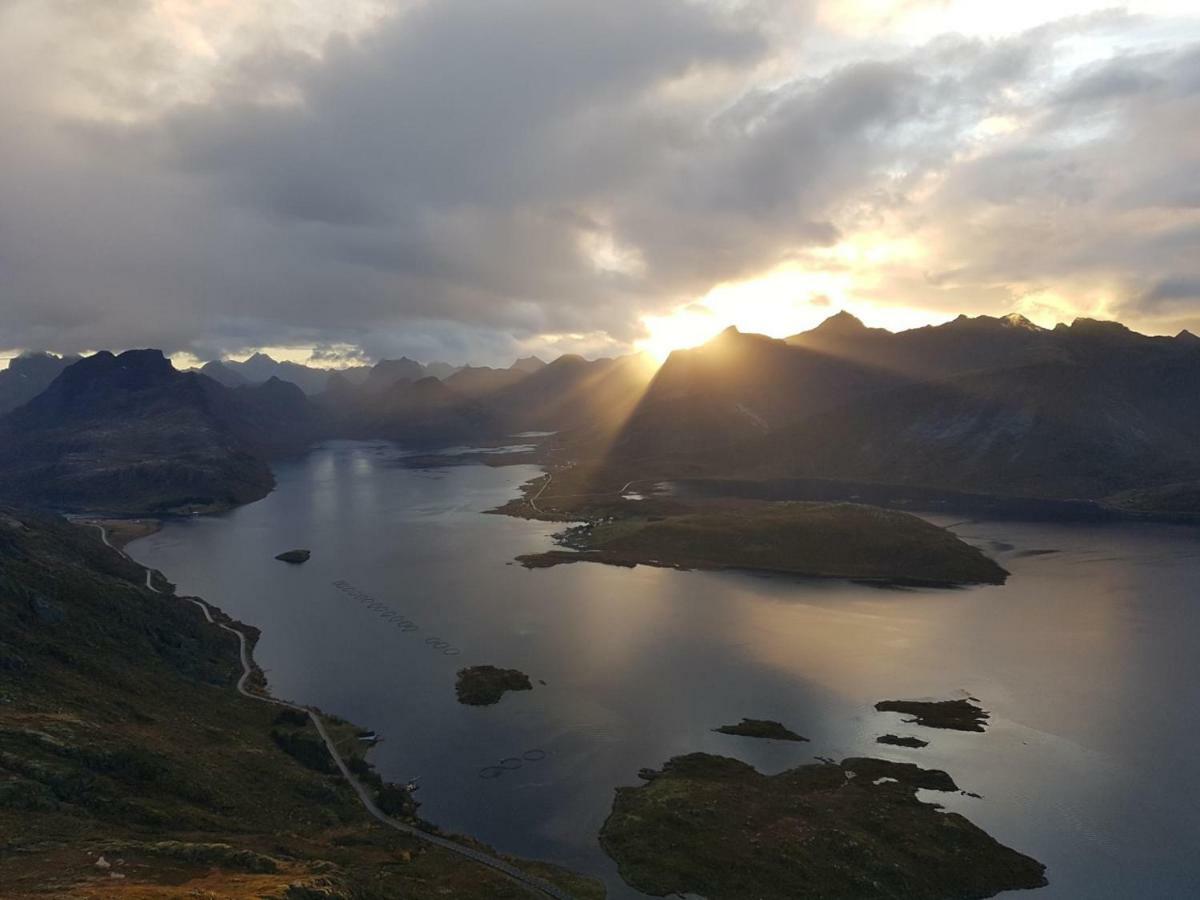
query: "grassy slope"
821, 539
120, 730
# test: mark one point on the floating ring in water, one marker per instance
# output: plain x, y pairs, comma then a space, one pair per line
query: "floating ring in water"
534, 755
491, 772
510, 759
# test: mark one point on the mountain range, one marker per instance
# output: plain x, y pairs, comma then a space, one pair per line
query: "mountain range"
995, 406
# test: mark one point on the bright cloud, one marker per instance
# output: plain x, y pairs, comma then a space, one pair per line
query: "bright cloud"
474, 181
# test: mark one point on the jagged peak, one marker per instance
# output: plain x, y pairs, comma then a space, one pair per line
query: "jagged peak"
1016, 320
1085, 325
842, 321
529, 363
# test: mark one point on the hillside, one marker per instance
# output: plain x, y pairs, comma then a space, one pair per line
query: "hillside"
123, 739
129, 433
986, 405
1111, 412
27, 376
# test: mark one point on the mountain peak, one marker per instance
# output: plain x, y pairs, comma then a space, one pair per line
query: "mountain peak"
528, 364
1186, 337
842, 322
1016, 320
1083, 325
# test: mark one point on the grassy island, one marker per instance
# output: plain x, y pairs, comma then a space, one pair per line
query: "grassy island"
716, 827
485, 685
957, 715
835, 540
761, 728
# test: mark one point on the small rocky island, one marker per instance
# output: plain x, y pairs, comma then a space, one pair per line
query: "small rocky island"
761, 728
902, 741
294, 556
831, 540
716, 827
957, 715
485, 685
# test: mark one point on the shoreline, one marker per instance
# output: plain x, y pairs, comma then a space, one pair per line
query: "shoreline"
252, 684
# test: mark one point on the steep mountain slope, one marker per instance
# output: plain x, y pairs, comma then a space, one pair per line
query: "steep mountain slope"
423, 413
1106, 411
482, 381
129, 433
224, 374
575, 394
27, 376
131, 768
718, 396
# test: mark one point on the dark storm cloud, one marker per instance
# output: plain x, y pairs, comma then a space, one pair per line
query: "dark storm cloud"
470, 175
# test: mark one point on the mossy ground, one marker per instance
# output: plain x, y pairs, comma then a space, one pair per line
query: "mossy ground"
714, 826
485, 685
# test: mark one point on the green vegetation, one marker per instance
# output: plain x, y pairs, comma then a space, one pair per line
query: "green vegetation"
835, 540
122, 737
761, 728
485, 685
958, 715
714, 826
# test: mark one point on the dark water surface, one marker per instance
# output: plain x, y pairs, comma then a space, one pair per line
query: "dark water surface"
1087, 660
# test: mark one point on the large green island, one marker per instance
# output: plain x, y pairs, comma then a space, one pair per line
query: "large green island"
716, 827
832, 540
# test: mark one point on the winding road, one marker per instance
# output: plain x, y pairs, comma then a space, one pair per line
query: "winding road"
531, 882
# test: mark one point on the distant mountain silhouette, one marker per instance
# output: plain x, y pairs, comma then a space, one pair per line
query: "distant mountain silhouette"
27, 376
223, 373
528, 364
130, 433
987, 405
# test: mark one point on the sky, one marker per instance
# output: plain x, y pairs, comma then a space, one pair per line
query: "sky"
476, 180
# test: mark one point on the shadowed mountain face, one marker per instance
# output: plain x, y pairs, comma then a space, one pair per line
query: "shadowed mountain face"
739, 387
27, 376
130, 433
477, 402
1080, 411
422, 413
986, 405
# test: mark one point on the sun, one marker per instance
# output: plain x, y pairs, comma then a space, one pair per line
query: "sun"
684, 328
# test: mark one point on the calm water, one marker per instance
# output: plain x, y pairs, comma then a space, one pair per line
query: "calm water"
1087, 660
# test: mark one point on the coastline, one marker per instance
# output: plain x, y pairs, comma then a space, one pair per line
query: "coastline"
253, 684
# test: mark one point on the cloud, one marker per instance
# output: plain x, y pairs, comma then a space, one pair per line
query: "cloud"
467, 180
